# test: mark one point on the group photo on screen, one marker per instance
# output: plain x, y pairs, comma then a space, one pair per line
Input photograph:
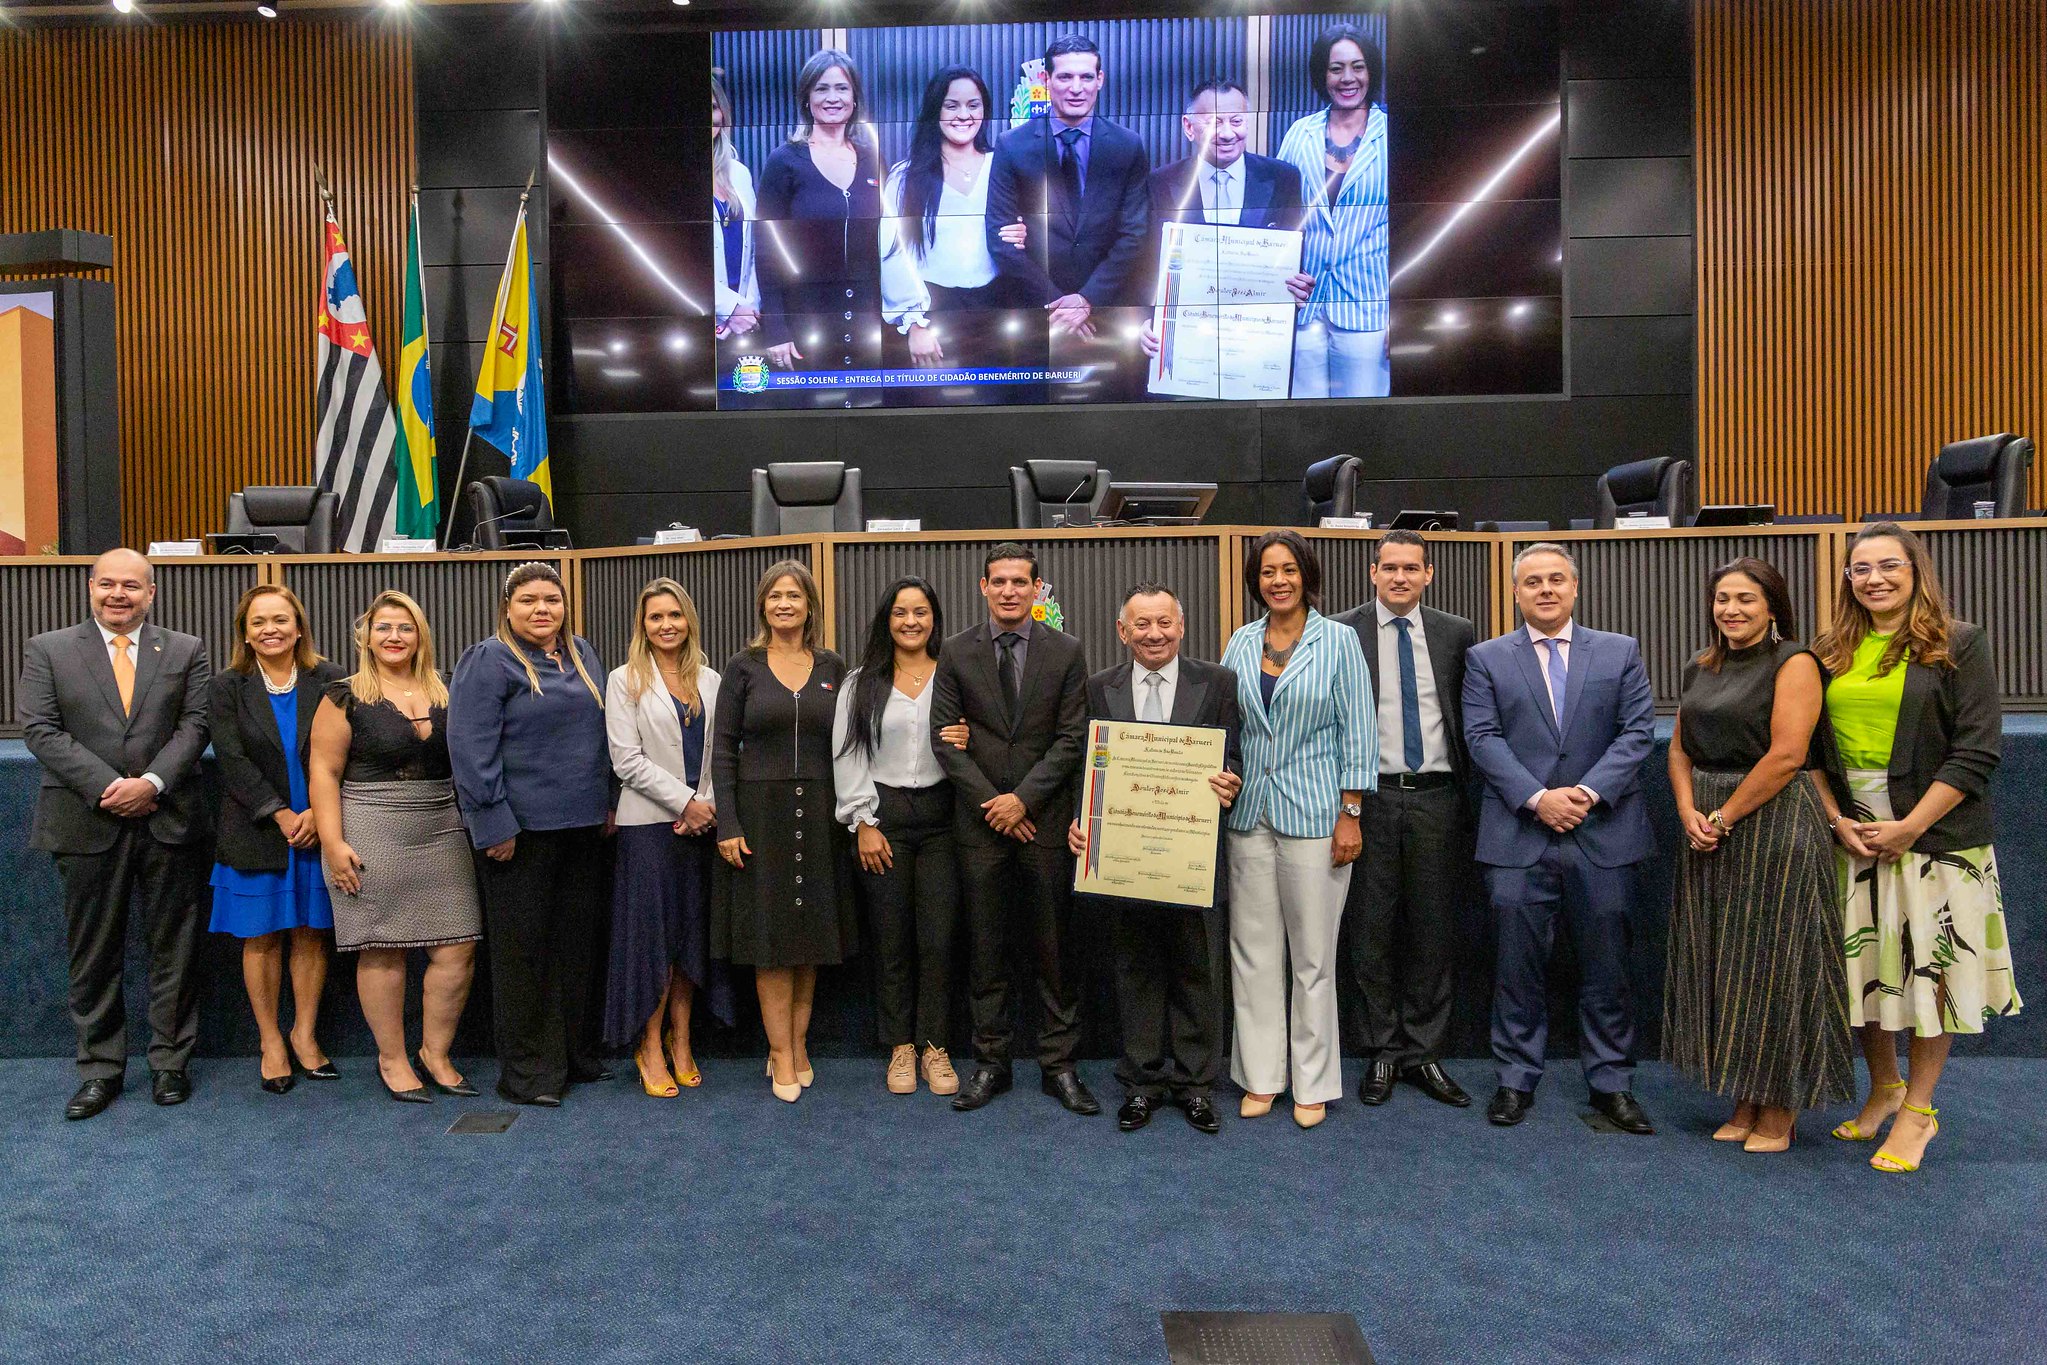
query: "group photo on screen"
1046, 213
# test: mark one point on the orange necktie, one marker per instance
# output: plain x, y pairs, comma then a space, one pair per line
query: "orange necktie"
124, 674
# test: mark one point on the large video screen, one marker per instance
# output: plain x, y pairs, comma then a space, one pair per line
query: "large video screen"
1239, 207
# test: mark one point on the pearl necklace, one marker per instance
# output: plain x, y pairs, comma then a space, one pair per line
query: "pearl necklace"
291, 684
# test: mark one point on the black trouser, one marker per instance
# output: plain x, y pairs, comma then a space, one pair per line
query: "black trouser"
1165, 997
1028, 885
1401, 917
165, 880
913, 907
541, 913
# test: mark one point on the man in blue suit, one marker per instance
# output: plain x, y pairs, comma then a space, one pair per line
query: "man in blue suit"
1558, 719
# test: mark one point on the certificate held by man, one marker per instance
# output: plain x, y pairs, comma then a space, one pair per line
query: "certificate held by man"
1150, 817
1222, 312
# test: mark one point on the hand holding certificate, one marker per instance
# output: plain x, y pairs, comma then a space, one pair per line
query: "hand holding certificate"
1222, 311
1148, 814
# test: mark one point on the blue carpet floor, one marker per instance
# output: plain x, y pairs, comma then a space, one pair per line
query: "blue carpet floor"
332, 1225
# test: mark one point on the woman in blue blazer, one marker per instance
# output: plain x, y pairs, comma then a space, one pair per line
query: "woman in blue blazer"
1311, 752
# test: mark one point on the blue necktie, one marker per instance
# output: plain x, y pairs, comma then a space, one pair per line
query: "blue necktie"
1410, 698
1556, 679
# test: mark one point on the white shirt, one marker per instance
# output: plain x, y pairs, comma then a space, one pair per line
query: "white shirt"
902, 758
1392, 736
1563, 637
1168, 687
1232, 196
955, 257
134, 642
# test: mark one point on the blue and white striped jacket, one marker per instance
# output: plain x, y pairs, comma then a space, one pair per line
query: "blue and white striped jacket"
1344, 245
1319, 739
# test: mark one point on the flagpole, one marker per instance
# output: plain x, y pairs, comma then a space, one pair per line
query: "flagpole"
497, 309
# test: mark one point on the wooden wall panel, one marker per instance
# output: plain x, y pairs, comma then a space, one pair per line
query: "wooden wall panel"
194, 147
1872, 234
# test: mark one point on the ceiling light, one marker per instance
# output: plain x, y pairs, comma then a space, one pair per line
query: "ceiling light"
268, 8
125, 6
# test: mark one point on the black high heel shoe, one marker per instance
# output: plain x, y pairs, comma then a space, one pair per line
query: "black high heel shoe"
280, 1085
462, 1087
323, 1072
417, 1095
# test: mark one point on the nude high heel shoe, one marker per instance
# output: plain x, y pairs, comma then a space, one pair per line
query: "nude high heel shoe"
788, 1094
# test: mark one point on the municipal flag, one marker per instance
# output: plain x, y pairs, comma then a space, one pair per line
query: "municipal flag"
510, 411
356, 429
418, 513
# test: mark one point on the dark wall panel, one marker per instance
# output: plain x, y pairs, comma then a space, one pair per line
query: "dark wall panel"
1623, 276
1629, 355
1629, 117
1629, 197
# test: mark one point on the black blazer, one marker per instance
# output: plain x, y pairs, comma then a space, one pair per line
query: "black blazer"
1449, 639
1272, 194
1950, 729
71, 720
1036, 754
1206, 695
254, 785
1094, 248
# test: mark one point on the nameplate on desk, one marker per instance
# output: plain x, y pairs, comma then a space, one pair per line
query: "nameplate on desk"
878, 524
159, 549
1641, 523
406, 545
678, 535
1363, 523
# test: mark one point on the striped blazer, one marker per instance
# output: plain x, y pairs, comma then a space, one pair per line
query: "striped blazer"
1345, 243
1320, 737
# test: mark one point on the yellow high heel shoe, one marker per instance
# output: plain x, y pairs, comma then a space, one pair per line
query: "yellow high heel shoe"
1851, 1131
787, 1094
1890, 1163
667, 1092
692, 1078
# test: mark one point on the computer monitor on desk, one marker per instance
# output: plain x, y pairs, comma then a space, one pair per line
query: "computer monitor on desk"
1157, 504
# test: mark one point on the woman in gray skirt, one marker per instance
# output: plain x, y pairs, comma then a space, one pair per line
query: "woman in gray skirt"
397, 856
1756, 1000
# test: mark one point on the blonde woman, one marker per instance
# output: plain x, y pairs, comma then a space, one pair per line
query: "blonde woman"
533, 775
658, 713
783, 902
391, 837
738, 290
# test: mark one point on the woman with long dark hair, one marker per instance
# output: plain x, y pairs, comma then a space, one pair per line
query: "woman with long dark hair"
894, 797
1755, 1002
1918, 730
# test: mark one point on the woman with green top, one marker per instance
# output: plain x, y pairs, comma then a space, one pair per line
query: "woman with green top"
1914, 703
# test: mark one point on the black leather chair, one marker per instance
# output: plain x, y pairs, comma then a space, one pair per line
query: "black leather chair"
1662, 487
791, 498
1042, 489
302, 519
1331, 488
1982, 469
1522, 526
502, 507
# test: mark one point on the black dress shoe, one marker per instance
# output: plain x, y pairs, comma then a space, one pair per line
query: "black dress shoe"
462, 1087
592, 1075
93, 1096
545, 1101
1622, 1110
1135, 1113
280, 1085
1065, 1087
1200, 1111
170, 1087
323, 1072
984, 1085
1433, 1081
1509, 1106
1377, 1086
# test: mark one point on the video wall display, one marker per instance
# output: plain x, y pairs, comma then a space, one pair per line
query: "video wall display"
1240, 207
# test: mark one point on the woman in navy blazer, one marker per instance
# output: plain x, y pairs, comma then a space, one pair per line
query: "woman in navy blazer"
1311, 752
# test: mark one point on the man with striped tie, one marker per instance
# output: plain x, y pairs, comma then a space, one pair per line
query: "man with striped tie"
115, 711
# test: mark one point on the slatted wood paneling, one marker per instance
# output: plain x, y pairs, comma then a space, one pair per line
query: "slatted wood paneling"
1872, 234
194, 147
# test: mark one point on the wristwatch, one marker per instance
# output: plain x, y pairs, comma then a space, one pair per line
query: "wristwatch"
1717, 821
1353, 809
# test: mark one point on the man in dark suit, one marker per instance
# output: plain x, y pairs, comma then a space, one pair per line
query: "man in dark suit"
1021, 689
1077, 183
1558, 719
1164, 954
1401, 917
115, 711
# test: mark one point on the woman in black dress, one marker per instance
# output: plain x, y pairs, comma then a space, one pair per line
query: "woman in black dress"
786, 907
817, 236
396, 855
1756, 998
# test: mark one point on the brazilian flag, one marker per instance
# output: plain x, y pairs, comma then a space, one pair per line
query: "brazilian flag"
419, 503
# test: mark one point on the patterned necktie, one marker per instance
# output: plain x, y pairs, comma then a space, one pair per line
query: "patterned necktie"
1005, 668
1069, 165
1153, 708
124, 674
1557, 679
1410, 697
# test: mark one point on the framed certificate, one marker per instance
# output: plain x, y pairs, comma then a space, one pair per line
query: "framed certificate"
1222, 313
1150, 818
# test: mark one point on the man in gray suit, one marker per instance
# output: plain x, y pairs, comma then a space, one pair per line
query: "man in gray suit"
115, 711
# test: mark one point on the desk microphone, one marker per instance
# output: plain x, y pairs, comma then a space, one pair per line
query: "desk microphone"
472, 545
1059, 519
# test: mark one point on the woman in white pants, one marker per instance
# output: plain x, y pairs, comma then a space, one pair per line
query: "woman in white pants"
1311, 751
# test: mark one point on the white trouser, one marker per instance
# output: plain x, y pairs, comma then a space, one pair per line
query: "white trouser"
1286, 902
1332, 363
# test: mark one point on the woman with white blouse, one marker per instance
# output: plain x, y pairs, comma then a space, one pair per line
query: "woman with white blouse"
894, 797
736, 287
